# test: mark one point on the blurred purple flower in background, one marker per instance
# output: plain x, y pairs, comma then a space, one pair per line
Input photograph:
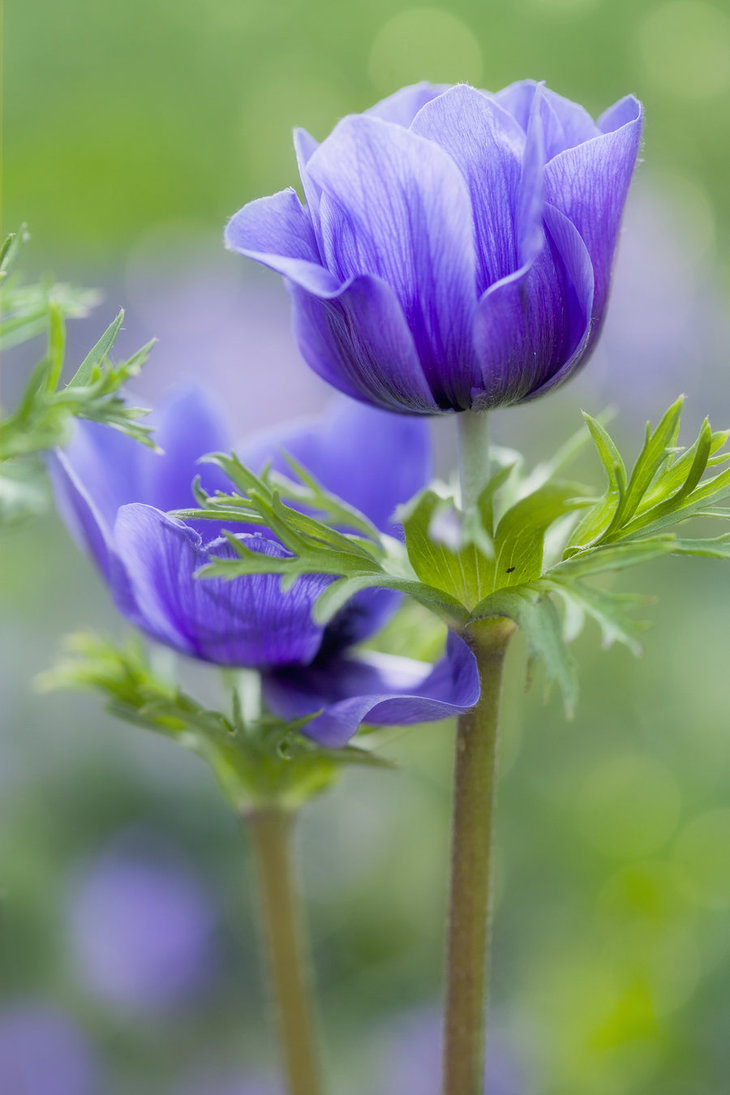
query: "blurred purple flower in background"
668, 318
43, 1053
210, 312
113, 494
141, 927
413, 1064
457, 246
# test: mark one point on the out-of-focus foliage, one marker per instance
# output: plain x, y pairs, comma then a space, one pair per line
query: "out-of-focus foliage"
47, 407
205, 122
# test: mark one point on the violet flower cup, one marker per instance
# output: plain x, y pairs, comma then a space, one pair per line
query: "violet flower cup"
456, 247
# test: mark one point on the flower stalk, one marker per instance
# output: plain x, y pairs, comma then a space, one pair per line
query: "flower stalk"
469, 927
475, 780
473, 456
270, 830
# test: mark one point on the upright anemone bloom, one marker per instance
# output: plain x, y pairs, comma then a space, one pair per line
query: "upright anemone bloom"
456, 247
114, 494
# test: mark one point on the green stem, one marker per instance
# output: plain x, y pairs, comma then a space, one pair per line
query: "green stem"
469, 930
281, 921
473, 455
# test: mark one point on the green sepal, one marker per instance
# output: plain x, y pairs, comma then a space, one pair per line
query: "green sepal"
258, 762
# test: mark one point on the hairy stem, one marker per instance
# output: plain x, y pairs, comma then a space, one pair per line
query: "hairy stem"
271, 833
469, 928
473, 455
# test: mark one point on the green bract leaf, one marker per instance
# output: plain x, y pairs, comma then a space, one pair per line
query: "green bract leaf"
361, 559
609, 610
520, 536
10, 249
507, 555
89, 368
666, 485
437, 551
613, 557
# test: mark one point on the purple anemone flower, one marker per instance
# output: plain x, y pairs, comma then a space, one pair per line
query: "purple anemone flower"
113, 494
456, 247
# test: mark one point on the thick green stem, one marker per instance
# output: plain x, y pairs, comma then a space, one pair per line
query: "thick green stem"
473, 455
475, 778
281, 922
469, 930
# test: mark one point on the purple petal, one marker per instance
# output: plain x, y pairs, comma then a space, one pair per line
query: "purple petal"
521, 328
277, 231
101, 469
362, 616
372, 459
187, 426
402, 106
530, 197
305, 146
620, 114
247, 621
359, 343
396, 206
533, 328
565, 123
487, 145
577, 314
379, 689
589, 185
97, 472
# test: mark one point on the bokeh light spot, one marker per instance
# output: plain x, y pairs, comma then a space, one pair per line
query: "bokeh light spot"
424, 44
702, 850
629, 806
685, 48
650, 893
562, 7
673, 965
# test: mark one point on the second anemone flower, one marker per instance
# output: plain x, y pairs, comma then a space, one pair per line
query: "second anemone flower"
456, 247
115, 496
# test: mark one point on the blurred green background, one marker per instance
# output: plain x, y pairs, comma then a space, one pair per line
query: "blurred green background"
129, 953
